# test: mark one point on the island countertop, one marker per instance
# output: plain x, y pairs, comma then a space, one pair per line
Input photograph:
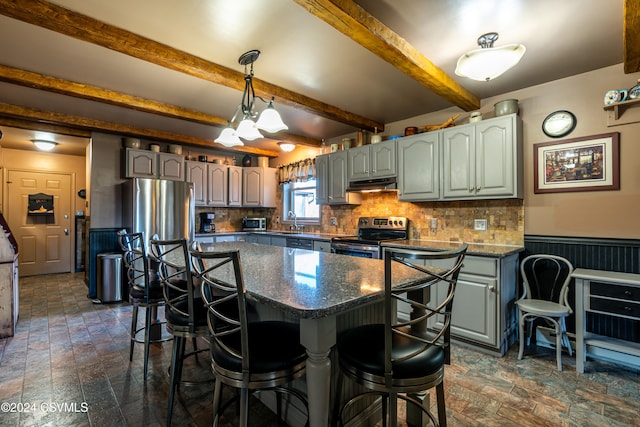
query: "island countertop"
310, 284
474, 248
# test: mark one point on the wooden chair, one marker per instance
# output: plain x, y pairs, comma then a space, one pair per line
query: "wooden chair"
545, 282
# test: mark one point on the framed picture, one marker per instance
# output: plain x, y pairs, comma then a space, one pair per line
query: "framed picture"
589, 163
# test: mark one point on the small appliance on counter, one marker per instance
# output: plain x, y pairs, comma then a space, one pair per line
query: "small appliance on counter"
254, 224
206, 222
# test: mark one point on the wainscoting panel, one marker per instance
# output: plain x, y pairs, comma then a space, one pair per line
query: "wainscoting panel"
101, 240
598, 254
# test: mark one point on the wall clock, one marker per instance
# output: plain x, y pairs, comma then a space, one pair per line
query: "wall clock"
559, 123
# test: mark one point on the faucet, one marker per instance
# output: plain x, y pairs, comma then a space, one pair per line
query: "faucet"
295, 225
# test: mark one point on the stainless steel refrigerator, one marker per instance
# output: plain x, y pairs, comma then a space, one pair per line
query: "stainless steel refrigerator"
159, 207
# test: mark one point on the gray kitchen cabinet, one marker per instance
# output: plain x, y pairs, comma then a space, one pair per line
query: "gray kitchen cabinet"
419, 167
279, 241
234, 196
225, 238
372, 161
301, 243
259, 187
483, 306
483, 160
210, 183
217, 184
196, 173
149, 164
331, 180
322, 246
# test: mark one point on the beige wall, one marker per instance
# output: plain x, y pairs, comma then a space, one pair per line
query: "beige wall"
47, 162
581, 214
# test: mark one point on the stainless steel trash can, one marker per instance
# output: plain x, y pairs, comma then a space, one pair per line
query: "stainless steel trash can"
109, 280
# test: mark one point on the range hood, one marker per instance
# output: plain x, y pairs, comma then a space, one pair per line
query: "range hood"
373, 184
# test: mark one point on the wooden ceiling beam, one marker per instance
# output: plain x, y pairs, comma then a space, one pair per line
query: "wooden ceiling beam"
631, 36
106, 96
43, 127
82, 27
87, 124
356, 23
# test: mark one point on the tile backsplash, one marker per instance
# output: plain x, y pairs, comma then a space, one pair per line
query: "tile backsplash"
505, 218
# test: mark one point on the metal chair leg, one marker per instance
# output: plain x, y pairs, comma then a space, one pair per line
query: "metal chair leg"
442, 409
134, 326
147, 339
176, 365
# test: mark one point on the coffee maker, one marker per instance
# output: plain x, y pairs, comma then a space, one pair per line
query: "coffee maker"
206, 222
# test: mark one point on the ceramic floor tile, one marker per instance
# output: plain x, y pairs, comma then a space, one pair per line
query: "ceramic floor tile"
69, 350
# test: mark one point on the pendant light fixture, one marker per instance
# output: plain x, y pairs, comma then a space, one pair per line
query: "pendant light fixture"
489, 62
248, 129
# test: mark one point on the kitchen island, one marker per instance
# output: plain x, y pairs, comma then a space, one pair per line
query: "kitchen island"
314, 287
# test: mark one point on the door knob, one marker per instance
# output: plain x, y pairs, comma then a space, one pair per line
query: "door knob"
66, 231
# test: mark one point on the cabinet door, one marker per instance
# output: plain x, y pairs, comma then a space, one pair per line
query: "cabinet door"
359, 160
141, 163
383, 159
252, 182
227, 238
322, 179
338, 177
418, 167
235, 186
279, 241
321, 246
170, 166
218, 186
458, 162
495, 166
197, 174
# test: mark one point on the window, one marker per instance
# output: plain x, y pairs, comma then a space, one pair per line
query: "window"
300, 198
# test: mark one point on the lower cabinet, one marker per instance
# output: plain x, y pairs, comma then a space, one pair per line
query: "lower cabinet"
484, 312
322, 246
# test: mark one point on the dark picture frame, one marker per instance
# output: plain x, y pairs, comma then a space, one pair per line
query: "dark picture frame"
590, 163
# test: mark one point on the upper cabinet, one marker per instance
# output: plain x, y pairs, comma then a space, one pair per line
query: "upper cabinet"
331, 180
419, 167
234, 197
483, 160
372, 161
149, 164
259, 187
209, 183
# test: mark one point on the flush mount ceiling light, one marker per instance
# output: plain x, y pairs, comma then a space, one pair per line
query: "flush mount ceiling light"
43, 144
269, 121
489, 62
287, 146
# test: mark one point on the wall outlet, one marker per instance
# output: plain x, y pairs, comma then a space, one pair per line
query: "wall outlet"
333, 221
433, 224
480, 224
277, 220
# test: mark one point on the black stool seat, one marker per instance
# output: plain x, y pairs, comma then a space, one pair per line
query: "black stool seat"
273, 346
153, 292
363, 348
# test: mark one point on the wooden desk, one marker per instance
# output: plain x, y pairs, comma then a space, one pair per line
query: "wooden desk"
611, 293
315, 287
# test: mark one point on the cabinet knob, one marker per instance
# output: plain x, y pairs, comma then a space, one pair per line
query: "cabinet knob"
627, 293
492, 289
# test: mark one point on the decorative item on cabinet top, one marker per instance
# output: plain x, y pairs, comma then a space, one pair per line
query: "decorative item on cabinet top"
302, 170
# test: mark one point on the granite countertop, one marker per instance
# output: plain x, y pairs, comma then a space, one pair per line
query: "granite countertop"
306, 283
474, 248
307, 235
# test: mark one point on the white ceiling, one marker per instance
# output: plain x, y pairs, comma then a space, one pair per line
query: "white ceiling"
303, 54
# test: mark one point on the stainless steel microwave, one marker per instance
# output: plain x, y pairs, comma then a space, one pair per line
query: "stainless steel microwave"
254, 224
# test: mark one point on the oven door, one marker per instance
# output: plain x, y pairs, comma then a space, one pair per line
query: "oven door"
356, 249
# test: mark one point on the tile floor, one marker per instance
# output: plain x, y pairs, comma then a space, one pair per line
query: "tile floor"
68, 351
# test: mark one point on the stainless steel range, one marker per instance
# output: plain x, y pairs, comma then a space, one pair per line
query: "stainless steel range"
372, 230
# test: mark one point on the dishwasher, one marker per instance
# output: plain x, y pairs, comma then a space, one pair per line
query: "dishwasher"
295, 242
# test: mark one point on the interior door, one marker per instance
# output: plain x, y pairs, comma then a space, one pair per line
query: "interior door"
44, 240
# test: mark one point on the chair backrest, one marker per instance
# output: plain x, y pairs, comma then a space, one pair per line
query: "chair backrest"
174, 270
224, 296
436, 269
135, 259
546, 277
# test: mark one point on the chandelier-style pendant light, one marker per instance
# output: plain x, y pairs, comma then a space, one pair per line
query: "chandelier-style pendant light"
269, 121
489, 62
